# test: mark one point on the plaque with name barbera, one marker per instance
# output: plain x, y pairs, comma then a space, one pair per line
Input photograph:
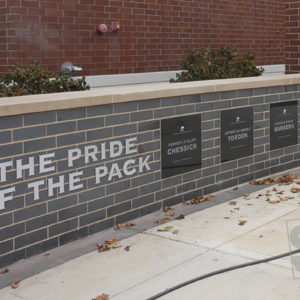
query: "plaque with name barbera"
236, 133
180, 145
283, 124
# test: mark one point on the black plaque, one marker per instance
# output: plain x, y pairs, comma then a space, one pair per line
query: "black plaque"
283, 125
236, 133
180, 145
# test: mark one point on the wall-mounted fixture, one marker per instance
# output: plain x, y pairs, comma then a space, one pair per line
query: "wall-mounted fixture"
69, 69
115, 26
103, 28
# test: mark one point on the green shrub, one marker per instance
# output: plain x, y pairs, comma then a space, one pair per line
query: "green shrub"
35, 79
207, 64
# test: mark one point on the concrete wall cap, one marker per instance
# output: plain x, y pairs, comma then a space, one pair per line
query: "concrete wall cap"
101, 96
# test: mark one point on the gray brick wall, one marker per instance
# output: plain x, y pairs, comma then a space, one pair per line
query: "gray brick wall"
29, 226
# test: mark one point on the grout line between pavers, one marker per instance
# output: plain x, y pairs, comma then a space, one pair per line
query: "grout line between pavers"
162, 272
178, 241
229, 241
79, 252
198, 255
17, 296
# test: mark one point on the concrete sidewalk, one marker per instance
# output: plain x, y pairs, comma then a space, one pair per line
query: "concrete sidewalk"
204, 241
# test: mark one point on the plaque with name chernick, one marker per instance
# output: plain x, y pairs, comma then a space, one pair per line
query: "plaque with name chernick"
236, 133
180, 145
283, 124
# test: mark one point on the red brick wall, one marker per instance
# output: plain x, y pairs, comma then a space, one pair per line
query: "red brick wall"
292, 9
3, 52
154, 36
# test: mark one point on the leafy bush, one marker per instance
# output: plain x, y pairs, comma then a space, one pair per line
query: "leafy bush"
207, 64
35, 79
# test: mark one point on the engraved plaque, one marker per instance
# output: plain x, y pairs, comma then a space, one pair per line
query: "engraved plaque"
283, 124
236, 133
180, 145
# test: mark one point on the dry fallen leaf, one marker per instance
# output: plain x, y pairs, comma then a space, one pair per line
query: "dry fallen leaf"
175, 231
15, 285
282, 199
167, 228
4, 271
235, 188
273, 201
210, 197
130, 224
161, 221
111, 241
118, 227
246, 195
274, 189
198, 200
298, 182
295, 190
286, 179
170, 213
167, 208
114, 246
102, 297
102, 248
232, 203
99, 245
263, 181
185, 203
180, 217
202, 199
127, 248
242, 222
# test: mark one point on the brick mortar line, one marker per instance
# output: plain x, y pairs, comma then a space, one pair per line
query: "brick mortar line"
77, 204
113, 138
45, 176
75, 192
144, 110
105, 127
6, 253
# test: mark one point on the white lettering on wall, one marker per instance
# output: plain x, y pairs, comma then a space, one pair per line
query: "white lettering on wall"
73, 154
3, 169
36, 188
45, 163
114, 171
130, 146
90, 152
115, 148
60, 185
6, 195
21, 167
74, 179
126, 165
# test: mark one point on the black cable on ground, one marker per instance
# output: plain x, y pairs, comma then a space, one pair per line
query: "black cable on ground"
252, 263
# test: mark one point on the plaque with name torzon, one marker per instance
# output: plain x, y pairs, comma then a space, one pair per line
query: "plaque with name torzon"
180, 145
236, 133
283, 124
